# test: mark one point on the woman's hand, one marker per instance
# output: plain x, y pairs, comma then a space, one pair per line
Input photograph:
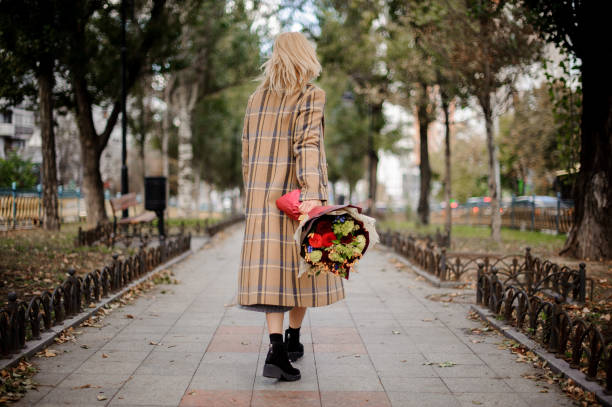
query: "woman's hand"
308, 205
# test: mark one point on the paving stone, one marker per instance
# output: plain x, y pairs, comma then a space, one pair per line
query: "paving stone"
153, 390
546, 400
459, 358
415, 384
234, 343
78, 396
349, 383
169, 363
476, 385
337, 368
523, 385
49, 378
406, 369
224, 377
354, 399
490, 399
119, 356
412, 399
230, 358
282, 398
216, 398
344, 348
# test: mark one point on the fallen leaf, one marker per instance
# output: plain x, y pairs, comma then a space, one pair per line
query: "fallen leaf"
86, 386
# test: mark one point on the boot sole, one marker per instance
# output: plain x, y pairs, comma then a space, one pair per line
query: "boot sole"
278, 373
293, 356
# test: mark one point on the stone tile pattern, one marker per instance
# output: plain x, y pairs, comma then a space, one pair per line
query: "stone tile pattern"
381, 346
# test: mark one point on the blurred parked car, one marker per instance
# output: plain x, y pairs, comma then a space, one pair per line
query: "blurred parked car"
541, 201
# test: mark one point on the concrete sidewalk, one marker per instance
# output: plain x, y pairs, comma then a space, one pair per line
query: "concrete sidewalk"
385, 344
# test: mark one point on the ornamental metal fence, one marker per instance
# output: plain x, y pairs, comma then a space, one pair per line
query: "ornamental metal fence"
103, 232
549, 323
25, 319
531, 273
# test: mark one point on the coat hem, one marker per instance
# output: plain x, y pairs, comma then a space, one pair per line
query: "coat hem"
336, 296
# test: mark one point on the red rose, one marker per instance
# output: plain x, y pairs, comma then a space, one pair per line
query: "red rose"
328, 239
315, 240
347, 239
323, 226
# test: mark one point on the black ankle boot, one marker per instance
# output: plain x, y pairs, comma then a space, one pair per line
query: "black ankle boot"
295, 349
278, 365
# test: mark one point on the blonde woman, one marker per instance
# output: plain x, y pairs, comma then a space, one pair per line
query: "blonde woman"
282, 149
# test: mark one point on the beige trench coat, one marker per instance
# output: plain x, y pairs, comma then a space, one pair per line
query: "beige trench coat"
282, 149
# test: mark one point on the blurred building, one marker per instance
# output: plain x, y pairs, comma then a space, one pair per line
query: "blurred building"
17, 127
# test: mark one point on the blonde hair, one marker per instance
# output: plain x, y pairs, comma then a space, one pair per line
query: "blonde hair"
292, 65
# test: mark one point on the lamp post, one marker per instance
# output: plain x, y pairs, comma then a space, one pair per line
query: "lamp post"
124, 169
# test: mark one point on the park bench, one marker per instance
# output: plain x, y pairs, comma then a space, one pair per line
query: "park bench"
125, 202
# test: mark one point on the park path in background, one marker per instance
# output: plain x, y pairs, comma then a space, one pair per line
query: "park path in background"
385, 344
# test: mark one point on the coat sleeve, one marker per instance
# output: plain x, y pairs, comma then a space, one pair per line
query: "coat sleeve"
245, 146
308, 147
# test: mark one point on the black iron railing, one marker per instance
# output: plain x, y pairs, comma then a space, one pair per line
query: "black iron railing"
572, 338
23, 320
533, 274
103, 232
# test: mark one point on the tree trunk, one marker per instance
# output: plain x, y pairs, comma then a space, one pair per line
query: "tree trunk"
165, 134
424, 167
51, 219
184, 102
185, 155
93, 187
591, 235
376, 123
447, 167
373, 184
196, 191
185, 161
211, 205
494, 187
91, 150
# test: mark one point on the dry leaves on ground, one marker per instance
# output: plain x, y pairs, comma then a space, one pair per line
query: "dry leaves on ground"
16, 381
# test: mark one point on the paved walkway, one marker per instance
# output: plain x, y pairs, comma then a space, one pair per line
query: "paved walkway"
386, 344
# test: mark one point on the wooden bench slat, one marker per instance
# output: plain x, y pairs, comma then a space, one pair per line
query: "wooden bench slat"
143, 217
124, 202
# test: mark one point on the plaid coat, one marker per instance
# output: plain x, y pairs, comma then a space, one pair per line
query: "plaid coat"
282, 149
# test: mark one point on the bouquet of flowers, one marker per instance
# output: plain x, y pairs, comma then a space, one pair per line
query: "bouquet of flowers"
332, 238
